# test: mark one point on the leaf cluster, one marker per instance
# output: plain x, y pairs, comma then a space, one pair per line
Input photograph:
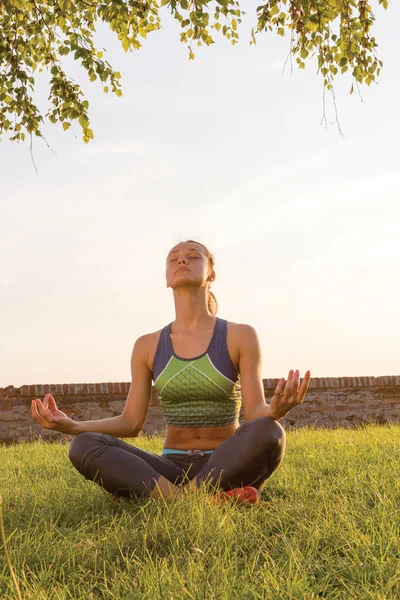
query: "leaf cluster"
36, 35
338, 32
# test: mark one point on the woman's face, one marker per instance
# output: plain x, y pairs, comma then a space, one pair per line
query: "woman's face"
187, 263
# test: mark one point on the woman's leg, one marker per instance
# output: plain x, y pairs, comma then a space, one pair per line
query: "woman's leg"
249, 457
120, 468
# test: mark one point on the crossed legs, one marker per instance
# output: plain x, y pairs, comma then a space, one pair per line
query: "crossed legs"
249, 457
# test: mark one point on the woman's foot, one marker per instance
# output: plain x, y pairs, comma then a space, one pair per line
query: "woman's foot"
241, 495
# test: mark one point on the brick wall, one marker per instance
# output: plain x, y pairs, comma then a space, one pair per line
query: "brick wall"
330, 402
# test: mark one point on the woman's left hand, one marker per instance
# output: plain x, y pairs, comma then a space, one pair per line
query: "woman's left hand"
290, 395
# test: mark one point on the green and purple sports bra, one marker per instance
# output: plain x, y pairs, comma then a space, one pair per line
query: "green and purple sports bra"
197, 392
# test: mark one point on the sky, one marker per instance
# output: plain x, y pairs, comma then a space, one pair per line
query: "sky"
226, 149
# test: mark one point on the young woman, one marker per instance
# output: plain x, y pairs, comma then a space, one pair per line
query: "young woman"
195, 363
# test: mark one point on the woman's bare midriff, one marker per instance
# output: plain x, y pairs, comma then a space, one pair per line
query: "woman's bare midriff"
201, 438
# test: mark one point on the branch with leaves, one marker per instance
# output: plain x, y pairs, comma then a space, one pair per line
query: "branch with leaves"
35, 35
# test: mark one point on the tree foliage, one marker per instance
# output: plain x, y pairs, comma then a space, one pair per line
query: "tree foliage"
35, 35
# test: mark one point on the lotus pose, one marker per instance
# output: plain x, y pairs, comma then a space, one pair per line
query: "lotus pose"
195, 363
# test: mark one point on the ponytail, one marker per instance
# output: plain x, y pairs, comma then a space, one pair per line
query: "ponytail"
212, 303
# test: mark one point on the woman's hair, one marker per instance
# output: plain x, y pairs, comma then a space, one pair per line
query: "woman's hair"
212, 302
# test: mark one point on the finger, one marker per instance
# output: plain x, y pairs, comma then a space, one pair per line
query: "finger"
43, 411
305, 383
36, 415
280, 387
52, 403
296, 379
289, 382
46, 401
303, 388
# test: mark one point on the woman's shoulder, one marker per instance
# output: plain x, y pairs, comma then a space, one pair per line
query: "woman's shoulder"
239, 334
240, 328
147, 345
148, 339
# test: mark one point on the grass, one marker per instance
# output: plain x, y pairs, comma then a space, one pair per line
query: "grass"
328, 527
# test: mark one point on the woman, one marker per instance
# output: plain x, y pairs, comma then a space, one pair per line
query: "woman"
195, 363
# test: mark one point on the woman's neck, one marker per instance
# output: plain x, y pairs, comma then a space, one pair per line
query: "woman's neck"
191, 312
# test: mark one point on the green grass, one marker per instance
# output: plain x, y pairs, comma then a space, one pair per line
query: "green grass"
328, 527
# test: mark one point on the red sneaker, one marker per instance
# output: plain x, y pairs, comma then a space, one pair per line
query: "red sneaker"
242, 495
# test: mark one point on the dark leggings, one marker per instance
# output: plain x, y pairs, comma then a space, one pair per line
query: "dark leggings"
248, 457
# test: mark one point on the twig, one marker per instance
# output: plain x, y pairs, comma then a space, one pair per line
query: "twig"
323, 119
336, 113
31, 153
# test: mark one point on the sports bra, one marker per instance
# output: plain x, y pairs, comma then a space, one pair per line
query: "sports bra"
197, 392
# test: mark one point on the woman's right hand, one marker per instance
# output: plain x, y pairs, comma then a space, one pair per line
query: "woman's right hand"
49, 417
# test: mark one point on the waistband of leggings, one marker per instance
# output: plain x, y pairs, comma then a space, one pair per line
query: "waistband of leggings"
190, 452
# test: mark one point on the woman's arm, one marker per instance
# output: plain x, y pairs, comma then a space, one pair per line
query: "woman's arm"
285, 397
250, 362
128, 424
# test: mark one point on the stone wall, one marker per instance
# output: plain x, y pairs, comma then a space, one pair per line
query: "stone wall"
330, 402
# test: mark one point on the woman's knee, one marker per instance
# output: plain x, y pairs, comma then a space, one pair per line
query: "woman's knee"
268, 425
81, 445
267, 432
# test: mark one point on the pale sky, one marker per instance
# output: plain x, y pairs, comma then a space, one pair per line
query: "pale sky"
304, 224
